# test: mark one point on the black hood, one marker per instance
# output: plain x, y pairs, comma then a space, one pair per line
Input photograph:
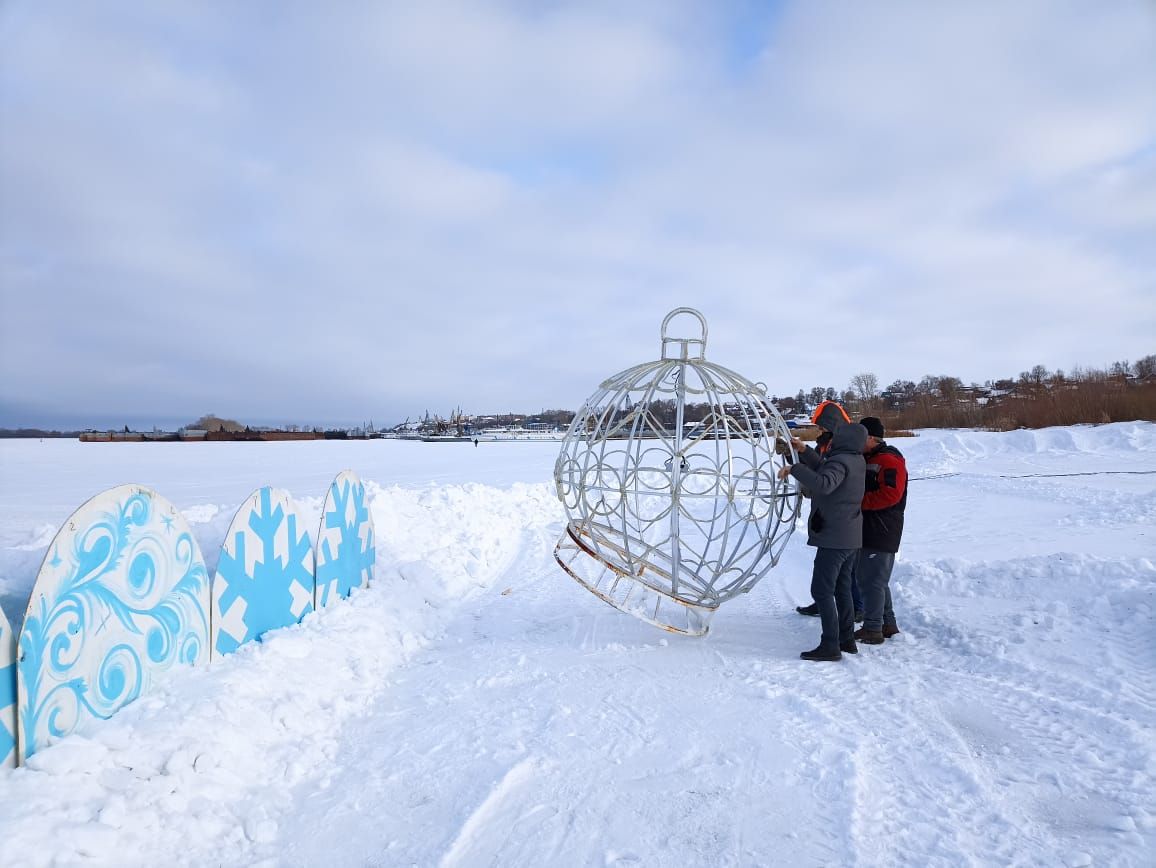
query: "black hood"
830, 416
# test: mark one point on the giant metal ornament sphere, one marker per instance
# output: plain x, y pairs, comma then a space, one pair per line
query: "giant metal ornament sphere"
668, 475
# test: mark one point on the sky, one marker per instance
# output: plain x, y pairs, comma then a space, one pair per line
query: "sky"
332, 213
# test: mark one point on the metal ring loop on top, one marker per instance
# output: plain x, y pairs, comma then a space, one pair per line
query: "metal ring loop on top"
682, 346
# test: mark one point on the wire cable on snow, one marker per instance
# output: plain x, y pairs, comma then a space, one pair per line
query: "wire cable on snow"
1085, 473
1046, 475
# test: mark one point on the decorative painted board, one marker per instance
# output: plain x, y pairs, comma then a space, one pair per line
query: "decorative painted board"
122, 597
265, 576
7, 694
345, 544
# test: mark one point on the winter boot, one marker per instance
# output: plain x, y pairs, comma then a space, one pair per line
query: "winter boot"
890, 630
812, 610
869, 637
849, 647
823, 653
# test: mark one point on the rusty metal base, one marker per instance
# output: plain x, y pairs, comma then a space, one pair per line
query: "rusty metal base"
626, 593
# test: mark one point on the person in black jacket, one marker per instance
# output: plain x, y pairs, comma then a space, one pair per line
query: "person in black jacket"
884, 501
835, 483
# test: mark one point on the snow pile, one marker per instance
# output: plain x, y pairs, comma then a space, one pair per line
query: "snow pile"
991, 451
476, 706
239, 734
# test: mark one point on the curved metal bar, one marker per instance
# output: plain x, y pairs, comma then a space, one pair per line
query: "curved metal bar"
684, 344
682, 518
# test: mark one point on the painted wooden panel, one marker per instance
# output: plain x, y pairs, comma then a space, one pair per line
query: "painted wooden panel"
265, 576
122, 597
345, 541
7, 694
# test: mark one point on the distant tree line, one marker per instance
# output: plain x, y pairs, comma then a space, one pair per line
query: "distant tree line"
461, 423
209, 422
36, 432
1122, 392
1037, 398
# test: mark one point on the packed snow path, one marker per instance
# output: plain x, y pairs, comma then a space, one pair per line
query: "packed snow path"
532, 736
477, 707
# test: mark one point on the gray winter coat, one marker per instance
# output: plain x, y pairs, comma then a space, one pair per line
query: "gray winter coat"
835, 482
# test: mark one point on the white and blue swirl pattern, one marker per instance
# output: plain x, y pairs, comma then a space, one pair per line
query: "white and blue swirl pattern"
122, 597
345, 544
7, 694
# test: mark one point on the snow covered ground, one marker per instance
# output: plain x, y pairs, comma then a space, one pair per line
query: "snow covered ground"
477, 707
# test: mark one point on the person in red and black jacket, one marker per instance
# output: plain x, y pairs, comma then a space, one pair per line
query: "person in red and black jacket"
884, 501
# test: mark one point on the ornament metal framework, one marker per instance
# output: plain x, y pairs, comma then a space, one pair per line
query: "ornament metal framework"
668, 475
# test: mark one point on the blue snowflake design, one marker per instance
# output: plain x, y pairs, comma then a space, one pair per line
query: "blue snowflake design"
344, 560
7, 694
122, 598
279, 590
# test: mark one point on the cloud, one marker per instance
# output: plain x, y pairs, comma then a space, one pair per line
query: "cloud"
331, 213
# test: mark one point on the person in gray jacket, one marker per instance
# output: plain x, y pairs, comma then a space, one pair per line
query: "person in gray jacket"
835, 481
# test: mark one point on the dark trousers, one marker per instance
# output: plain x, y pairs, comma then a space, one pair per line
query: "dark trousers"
831, 591
874, 574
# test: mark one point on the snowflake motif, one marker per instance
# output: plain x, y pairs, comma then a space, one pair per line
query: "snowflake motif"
346, 552
278, 589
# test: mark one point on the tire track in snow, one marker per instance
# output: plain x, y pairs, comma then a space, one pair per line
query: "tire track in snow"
1063, 757
1074, 775
1089, 505
623, 730
633, 753
488, 813
1083, 624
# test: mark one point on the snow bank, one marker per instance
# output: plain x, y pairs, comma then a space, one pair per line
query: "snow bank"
947, 451
239, 734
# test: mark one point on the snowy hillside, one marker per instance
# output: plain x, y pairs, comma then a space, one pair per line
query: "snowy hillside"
477, 707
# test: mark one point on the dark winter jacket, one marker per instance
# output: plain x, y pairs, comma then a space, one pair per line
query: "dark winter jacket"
835, 482
884, 499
